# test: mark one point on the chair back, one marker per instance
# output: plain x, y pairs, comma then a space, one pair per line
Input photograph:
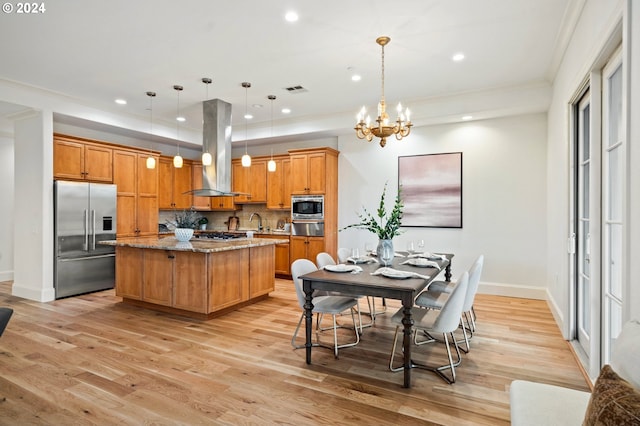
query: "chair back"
5, 316
449, 316
474, 281
298, 268
323, 259
343, 254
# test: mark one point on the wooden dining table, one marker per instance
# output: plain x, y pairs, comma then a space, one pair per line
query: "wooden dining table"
365, 284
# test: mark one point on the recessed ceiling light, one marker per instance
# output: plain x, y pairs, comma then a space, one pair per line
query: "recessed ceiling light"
286, 110
458, 57
467, 117
258, 105
181, 119
356, 77
121, 101
248, 116
291, 16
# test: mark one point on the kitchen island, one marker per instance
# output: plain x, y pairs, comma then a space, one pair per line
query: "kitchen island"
200, 278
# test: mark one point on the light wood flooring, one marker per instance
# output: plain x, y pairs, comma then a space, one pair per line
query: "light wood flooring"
93, 360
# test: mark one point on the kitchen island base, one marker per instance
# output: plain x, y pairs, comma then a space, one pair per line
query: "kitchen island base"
201, 280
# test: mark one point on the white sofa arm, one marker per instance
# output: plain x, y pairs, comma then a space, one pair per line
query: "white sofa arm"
539, 404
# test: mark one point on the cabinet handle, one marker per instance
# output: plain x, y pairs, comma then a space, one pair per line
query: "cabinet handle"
171, 256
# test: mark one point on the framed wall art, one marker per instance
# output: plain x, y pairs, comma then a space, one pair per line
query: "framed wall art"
431, 186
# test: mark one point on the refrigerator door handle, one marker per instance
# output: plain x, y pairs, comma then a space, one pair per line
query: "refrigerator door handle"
93, 230
85, 245
102, 256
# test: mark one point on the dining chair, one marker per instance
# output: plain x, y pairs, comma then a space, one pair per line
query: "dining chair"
343, 257
333, 305
5, 316
432, 298
435, 322
323, 259
343, 254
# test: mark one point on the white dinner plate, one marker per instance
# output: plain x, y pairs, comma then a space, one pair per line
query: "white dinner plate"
422, 263
340, 268
399, 275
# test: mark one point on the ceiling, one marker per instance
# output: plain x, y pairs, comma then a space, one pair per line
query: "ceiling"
96, 52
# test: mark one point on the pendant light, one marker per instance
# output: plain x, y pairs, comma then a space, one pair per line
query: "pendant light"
177, 160
206, 156
246, 159
271, 165
151, 160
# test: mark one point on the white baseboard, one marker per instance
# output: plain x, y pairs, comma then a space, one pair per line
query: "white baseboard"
512, 290
39, 295
6, 276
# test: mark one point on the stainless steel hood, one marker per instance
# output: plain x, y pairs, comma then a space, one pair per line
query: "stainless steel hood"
216, 140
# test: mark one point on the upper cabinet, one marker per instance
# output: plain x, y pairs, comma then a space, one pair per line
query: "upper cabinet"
137, 208
77, 159
279, 184
311, 170
251, 181
174, 184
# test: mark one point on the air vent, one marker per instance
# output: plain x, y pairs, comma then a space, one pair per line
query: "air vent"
295, 89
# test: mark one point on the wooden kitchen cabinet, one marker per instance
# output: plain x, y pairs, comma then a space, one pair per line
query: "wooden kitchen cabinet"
306, 247
157, 277
279, 185
190, 281
312, 170
282, 262
174, 184
128, 272
77, 159
137, 210
249, 180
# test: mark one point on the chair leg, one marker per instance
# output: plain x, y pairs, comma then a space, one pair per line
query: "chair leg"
393, 352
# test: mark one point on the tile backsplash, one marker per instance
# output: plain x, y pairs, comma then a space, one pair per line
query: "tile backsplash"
218, 220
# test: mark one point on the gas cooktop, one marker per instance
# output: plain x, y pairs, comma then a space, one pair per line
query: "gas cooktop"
221, 235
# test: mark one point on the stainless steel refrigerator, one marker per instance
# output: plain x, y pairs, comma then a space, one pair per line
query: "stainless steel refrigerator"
84, 214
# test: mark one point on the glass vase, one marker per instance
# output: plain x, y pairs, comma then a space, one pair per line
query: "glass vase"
385, 252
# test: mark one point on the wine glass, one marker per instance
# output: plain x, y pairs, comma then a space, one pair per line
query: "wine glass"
368, 248
421, 246
387, 254
355, 254
411, 247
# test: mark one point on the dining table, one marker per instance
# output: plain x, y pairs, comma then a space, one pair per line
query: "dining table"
367, 283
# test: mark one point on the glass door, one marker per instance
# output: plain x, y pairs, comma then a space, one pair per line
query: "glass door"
613, 183
584, 285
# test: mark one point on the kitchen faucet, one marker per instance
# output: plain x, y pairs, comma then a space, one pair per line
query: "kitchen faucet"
259, 220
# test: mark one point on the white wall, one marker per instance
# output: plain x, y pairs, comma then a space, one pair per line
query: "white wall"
592, 37
504, 205
6, 210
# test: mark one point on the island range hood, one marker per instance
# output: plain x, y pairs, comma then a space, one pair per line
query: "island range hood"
216, 140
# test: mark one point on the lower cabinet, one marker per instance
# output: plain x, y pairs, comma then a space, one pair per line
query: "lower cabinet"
282, 263
305, 247
194, 281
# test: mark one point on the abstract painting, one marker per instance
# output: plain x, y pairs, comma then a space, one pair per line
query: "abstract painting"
431, 190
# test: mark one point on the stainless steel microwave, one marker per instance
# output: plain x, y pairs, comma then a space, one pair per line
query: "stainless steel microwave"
307, 207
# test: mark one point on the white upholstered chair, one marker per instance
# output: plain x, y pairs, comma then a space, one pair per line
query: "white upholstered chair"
436, 322
330, 305
323, 259
433, 298
536, 404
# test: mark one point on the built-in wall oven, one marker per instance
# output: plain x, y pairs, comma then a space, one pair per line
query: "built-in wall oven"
307, 215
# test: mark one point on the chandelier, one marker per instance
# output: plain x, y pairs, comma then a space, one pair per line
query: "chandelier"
383, 127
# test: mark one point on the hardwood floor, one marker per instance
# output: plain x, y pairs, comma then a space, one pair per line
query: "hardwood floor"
93, 360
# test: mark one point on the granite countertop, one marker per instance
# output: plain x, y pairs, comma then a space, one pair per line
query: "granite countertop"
194, 245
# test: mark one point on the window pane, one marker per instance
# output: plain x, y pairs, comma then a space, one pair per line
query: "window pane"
586, 140
615, 106
615, 186
585, 190
615, 266
615, 326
